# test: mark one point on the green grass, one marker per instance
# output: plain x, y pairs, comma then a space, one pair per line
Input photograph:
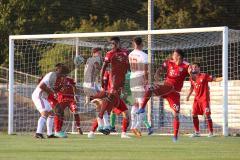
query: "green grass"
24, 147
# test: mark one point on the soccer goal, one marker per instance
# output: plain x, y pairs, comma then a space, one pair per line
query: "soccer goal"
216, 48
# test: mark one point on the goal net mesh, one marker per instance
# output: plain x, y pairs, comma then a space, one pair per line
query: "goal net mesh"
35, 58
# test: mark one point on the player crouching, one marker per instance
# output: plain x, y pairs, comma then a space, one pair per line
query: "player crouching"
66, 98
44, 98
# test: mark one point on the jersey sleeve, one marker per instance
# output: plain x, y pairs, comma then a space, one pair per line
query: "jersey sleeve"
71, 81
145, 58
209, 78
49, 79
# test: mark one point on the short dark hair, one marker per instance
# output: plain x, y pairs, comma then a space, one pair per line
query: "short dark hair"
137, 40
116, 39
180, 52
59, 65
196, 63
63, 68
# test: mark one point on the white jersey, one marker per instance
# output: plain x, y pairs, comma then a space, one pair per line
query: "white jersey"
50, 80
137, 60
90, 72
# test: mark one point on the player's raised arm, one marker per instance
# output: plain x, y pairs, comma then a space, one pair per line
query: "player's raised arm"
46, 89
217, 79
102, 72
160, 70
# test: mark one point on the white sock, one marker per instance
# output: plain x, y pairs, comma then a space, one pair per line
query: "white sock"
123, 133
134, 117
50, 125
41, 124
105, 120
100, 122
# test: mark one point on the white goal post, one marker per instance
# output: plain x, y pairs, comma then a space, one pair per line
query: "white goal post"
19, 43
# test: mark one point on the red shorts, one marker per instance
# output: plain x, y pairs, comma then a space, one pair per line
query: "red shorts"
120, 108
115, 101
173, 99
201, 108
162, 90
53, 102
70, 104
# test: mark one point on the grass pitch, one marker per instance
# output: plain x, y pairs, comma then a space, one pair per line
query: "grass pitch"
76, 147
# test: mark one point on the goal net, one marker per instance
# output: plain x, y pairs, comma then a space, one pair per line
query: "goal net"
32, 56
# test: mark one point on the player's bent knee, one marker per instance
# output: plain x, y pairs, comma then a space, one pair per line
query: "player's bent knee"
100, 115
98, 103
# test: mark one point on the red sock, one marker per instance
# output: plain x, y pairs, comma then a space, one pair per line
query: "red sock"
196, 124
77, 120
210, 124
94, 125
58, 122
125, 124
56, 128
176, 124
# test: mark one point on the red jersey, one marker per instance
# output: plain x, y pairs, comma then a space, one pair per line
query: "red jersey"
66, 93
201, 87
118, 61
176, 74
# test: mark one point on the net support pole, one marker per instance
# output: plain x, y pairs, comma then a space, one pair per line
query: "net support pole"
76, 54
75, 76
225, 80
11, 86
150, 27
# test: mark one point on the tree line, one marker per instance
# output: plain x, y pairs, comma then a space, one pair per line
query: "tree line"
63, 16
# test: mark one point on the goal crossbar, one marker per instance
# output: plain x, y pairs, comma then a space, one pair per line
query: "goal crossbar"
122, 33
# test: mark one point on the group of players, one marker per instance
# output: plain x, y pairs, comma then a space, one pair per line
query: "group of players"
124, 83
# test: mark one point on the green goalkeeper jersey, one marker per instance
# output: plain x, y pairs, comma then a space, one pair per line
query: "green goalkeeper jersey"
127, 90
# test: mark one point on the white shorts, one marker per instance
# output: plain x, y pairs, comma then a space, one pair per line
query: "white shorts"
41, 104
137, 88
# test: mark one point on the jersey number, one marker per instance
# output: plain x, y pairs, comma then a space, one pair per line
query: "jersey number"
133, 63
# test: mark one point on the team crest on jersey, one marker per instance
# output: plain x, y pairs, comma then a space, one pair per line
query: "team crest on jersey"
120, 58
